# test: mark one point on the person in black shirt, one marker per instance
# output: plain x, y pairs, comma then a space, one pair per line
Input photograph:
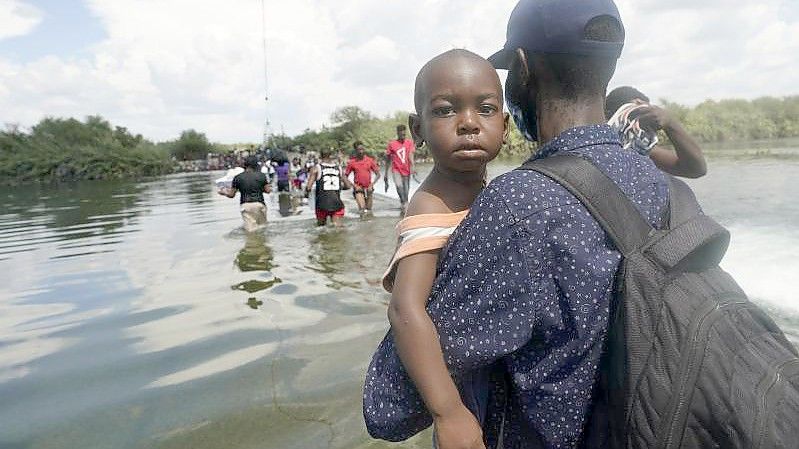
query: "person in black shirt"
252, 184
328, 179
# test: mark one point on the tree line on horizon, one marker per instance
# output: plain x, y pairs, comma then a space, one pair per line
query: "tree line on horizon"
59, 149
711, 121
66, 149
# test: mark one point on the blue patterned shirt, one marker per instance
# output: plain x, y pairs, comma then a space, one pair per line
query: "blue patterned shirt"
521, 304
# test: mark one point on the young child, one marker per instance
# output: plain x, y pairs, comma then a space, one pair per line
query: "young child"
458, 100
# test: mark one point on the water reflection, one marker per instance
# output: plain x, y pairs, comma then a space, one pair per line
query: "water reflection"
89, 211
330, 255
256, 254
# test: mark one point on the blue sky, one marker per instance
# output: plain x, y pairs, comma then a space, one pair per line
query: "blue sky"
66, 28
161, 66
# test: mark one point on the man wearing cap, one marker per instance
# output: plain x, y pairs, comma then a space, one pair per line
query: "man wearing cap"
523, 292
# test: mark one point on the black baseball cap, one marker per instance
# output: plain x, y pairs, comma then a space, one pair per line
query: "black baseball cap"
556, 26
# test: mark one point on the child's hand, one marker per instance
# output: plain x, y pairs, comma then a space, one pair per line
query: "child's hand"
458, 430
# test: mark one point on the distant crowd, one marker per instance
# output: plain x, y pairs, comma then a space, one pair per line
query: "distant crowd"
325, 174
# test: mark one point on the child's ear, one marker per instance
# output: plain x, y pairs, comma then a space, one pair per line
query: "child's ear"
415, 125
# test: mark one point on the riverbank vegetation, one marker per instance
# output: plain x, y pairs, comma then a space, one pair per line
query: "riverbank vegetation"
709, 121
67, 150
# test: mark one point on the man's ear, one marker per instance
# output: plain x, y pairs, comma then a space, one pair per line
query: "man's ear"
506, 133
521, 65
415, 125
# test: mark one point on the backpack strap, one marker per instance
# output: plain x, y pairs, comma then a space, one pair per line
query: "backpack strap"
694, 241
600, 195
683, 205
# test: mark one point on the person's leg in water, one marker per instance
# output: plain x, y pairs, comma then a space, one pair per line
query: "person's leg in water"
360, 198
321, 217
370, 195
253, 215
401, 192
406, 187
336, 217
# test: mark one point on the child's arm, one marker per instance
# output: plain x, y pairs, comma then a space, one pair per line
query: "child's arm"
417, 342
686, 159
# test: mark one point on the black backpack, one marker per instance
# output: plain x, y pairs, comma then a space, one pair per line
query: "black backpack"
689, 361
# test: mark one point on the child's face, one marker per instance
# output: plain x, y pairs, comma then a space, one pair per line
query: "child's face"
461, 114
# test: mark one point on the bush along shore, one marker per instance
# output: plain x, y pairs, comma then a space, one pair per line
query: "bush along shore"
60, 150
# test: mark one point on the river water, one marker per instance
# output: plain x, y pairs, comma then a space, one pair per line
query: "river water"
139, 315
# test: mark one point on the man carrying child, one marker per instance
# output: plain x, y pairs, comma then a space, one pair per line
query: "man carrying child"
522, 292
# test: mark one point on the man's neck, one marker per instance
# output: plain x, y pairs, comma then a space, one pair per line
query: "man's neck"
558, 115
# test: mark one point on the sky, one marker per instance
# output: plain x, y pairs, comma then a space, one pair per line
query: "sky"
159, 67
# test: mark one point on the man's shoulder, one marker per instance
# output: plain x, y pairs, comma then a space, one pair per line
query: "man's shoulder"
523, 193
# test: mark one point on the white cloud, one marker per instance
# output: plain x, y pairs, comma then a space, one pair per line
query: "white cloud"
168, 65
690, 51
17, 18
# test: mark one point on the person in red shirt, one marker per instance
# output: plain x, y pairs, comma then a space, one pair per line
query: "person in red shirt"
399, 156
362, 166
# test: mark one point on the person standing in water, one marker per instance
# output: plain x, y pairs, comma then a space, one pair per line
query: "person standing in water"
399, 157
522, 292
327, 179
252, 184
362, 166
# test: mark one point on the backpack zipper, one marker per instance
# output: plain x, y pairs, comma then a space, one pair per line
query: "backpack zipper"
760, 421
695, 356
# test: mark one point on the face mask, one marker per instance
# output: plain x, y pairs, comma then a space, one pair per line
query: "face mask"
523, 112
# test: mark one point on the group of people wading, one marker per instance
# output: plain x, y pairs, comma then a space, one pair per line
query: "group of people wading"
326, 178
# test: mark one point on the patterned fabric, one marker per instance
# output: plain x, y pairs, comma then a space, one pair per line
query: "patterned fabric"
522, 294
419, 233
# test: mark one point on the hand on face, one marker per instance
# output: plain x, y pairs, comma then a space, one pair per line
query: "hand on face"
653, 118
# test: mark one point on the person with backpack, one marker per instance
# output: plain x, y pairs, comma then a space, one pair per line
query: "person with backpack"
580, 303
524, 288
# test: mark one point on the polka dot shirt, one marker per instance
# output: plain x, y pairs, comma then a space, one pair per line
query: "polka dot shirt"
521, 304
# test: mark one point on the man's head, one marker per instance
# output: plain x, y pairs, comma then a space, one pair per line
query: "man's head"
251, 162
401, 130
621, 96
458, 100
326, 153
360, 150
560, 54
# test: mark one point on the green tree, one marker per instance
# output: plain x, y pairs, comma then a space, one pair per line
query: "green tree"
191, 145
